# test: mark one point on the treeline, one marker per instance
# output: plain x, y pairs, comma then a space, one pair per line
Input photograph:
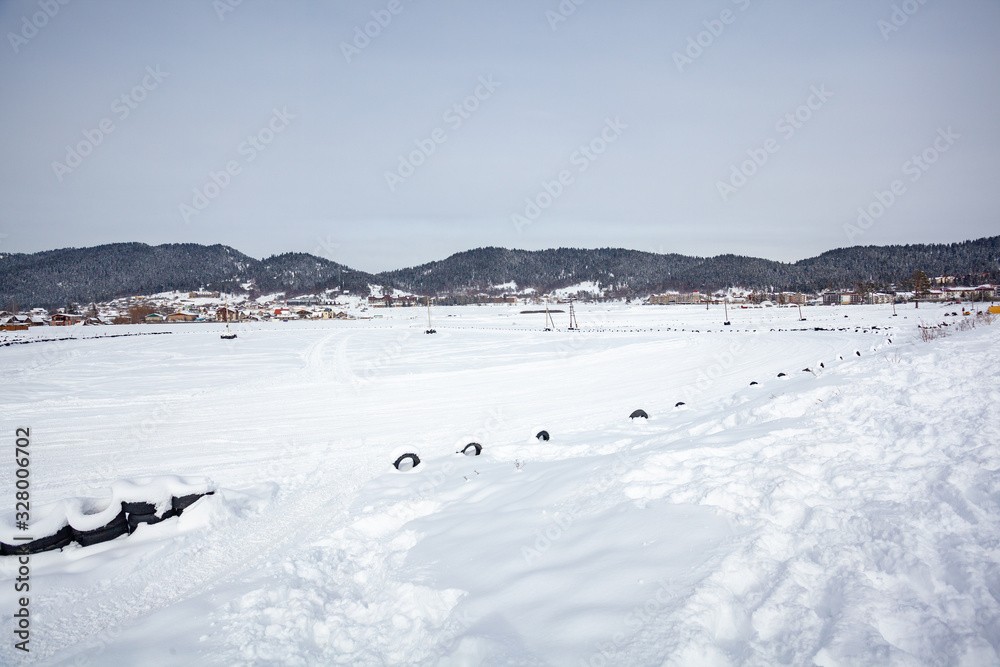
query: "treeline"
633, 273
57, 278
83, 275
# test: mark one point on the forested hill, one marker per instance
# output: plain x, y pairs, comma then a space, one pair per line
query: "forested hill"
633, 273
99, 273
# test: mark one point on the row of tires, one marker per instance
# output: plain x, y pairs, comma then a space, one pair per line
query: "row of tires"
131, 516
410, 460
53, 340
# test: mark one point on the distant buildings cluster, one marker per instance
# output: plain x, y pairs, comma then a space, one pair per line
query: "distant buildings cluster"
949, 292
215, 307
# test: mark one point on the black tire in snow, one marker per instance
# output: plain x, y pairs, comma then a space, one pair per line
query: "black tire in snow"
638, 414
411, 456
477, 449
139, 507
542, 435
114, 528
61, 538
179, 504
135, 520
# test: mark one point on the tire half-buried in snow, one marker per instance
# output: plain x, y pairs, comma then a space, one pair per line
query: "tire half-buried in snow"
472, 449
407, 461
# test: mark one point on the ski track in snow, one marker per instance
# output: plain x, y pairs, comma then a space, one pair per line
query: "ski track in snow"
847, 515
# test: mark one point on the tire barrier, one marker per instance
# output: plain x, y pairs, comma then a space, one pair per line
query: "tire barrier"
180, 504
410, 459
140, 507
476, 449
114, 528
401, 462
55, 340
61, 538
136, 520
131, 514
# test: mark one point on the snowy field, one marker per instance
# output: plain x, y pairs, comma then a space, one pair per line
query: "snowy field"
848, 514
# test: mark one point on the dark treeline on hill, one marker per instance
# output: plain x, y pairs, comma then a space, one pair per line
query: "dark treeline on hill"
635, 273
82, 275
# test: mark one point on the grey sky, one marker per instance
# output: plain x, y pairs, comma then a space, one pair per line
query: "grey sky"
671, 132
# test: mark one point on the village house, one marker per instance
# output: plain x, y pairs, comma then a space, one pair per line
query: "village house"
10, 323
65, 319
978, 293
227, 314
668, 299
797, 298
841, 298
181, 316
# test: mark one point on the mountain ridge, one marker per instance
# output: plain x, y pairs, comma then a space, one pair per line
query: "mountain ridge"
99, 273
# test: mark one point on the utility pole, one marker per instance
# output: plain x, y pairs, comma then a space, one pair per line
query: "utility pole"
430, 330
573, 326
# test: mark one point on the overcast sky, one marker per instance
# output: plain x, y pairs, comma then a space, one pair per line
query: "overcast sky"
740, 126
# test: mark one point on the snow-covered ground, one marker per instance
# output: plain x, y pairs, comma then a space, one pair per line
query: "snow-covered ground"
848, 514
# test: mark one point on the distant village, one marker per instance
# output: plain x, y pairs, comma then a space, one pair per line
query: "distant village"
213, 306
